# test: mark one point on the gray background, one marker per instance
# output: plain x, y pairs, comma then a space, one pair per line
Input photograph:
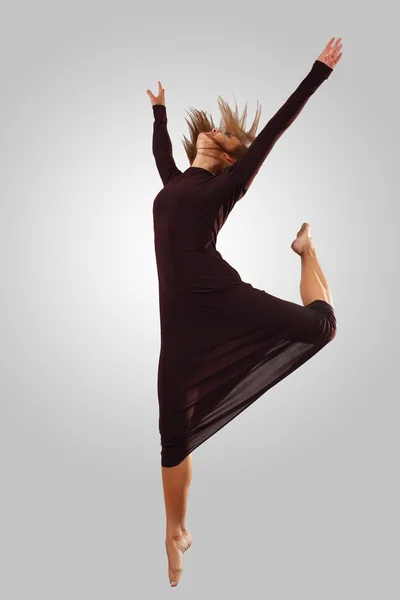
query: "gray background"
295, 498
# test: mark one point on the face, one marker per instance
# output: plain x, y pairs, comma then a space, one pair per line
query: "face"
229, 141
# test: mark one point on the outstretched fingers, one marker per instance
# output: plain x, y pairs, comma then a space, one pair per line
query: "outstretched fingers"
332, 52
160, 98
336, 48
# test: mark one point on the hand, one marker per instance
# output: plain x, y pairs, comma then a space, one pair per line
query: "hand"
330, 55
160, 99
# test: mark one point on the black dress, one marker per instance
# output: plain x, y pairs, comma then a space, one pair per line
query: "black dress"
223, 342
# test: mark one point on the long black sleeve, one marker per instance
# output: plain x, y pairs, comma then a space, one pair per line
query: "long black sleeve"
244, 171
162, 147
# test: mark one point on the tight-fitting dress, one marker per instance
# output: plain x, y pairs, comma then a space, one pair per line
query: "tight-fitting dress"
223, 342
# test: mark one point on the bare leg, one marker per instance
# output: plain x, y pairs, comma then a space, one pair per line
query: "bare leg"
313, 284
176, 483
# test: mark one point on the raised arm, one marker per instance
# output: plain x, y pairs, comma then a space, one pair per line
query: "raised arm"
162, 147
244, 171
247, 167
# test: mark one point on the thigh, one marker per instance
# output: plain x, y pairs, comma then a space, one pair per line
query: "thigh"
291, 320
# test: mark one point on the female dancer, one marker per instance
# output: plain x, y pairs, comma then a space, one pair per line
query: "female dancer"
224, 343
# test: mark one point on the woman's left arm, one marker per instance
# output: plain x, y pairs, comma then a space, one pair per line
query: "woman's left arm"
242, 174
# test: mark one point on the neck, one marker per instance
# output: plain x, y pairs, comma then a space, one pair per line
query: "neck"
208, 163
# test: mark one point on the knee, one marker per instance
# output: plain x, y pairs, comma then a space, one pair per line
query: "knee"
332, 334
174, 450
324, 326
327, 326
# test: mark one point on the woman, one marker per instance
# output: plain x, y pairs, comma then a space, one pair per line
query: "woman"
224, 343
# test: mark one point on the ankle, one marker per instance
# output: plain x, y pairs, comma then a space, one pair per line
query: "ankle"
175, 531
309, 251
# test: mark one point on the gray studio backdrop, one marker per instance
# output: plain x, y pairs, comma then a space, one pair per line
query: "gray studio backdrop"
295, 498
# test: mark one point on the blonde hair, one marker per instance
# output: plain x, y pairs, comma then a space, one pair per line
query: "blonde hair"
230, 122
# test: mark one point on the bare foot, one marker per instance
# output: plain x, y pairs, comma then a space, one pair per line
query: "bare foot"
303, 239
176, 545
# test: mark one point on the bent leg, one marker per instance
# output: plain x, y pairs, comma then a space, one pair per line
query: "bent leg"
313, 284
316, 324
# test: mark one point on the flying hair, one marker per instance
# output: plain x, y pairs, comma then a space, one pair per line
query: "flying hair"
230, 122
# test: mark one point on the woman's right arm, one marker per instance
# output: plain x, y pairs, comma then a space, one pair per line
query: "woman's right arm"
162, 146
